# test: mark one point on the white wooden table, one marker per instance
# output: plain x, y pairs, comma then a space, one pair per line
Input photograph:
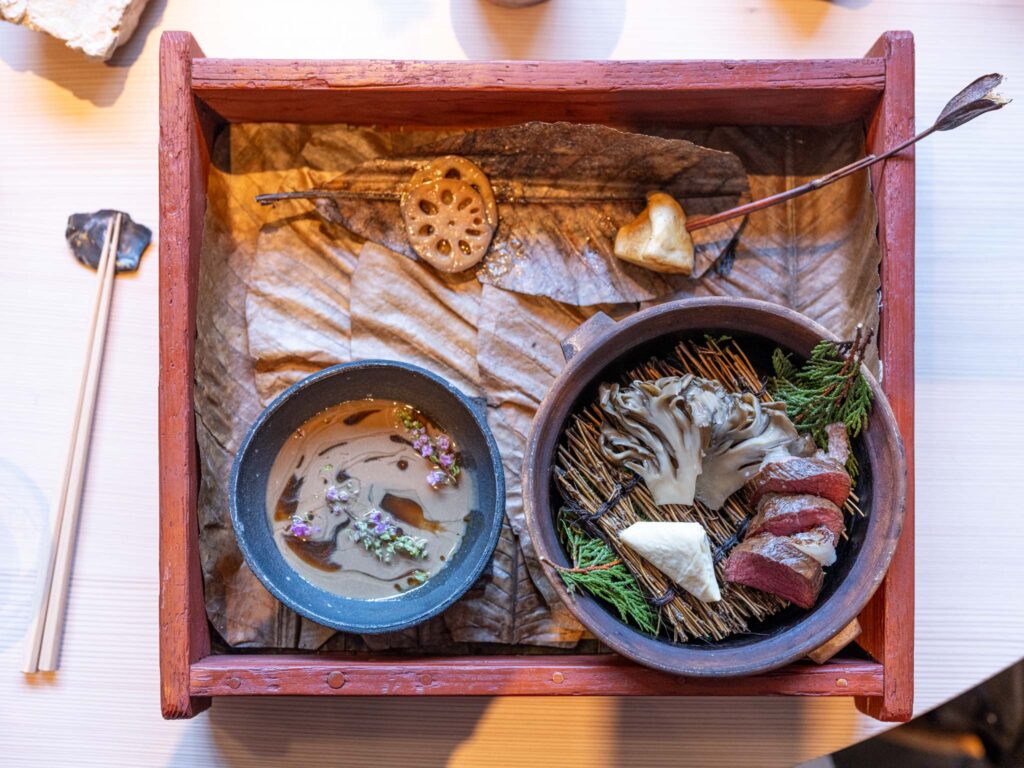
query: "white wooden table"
77, 135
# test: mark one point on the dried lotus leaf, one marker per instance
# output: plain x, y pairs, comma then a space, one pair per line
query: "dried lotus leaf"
446, 224
563, 191
461, 169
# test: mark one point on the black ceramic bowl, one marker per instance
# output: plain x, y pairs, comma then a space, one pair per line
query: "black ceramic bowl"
461, 417
601, 350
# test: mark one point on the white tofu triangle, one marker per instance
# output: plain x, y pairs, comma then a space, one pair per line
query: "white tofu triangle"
681, 551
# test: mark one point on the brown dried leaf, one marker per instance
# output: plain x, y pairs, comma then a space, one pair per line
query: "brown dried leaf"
430, 634
226, 402
296, 308
228, 395
510, 609
817, 254
403, 310
520, 356
596, 176
441, 336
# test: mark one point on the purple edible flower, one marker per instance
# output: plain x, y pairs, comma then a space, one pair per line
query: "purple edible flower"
439, 450
331, 494
300, 529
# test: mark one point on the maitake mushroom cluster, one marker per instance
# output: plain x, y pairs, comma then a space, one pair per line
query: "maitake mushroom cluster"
689, 438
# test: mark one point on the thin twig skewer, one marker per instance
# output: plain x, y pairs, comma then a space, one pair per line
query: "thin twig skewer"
976, 99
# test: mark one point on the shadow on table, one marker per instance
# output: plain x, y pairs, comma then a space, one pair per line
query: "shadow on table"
689, 731
305, 732
469, 732
50, 59
983, 728
559, 29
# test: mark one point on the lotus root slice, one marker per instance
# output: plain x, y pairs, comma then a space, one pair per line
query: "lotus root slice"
460, 169
446, 223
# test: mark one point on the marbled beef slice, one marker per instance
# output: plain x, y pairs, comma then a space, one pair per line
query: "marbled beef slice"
817, 475
784, 515
772, 564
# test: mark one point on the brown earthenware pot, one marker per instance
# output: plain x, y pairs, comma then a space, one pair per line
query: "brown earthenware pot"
601, 350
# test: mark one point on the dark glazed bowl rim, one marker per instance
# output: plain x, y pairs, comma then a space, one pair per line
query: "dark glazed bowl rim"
592, 350
468, 571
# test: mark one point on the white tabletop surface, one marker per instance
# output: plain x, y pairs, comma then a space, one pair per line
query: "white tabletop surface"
76, 135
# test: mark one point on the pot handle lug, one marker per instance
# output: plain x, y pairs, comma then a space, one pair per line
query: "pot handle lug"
585, 335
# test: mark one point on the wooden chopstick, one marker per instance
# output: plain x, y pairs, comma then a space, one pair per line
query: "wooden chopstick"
43, 647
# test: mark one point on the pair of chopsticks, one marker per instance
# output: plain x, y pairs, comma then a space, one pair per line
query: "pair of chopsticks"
43, 648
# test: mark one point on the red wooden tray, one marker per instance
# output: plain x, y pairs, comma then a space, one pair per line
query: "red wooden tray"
199, 95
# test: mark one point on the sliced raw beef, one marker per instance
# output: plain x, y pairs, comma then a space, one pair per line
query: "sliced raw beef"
782, 515
818, 475
772, 564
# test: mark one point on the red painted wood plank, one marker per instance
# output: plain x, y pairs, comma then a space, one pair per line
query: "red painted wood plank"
184, 634
889, 618
417, 93
600, 675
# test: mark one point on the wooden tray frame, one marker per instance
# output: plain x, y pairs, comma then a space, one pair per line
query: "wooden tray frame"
199, 95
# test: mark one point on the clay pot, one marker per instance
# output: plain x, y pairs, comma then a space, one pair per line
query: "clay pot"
600, 351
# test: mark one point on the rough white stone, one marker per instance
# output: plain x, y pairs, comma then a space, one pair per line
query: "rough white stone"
95, 27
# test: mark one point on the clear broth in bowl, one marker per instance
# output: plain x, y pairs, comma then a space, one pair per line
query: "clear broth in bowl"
366, 504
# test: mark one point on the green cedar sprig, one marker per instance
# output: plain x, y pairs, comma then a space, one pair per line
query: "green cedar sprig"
598, 570
829, 388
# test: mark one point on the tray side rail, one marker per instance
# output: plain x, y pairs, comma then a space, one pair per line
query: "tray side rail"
888, 620
186, 132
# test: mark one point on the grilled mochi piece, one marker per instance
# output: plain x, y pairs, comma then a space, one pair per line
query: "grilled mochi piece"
786, 514
773, 564
816, 475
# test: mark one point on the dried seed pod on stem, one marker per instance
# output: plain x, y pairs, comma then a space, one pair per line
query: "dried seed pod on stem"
976, 99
